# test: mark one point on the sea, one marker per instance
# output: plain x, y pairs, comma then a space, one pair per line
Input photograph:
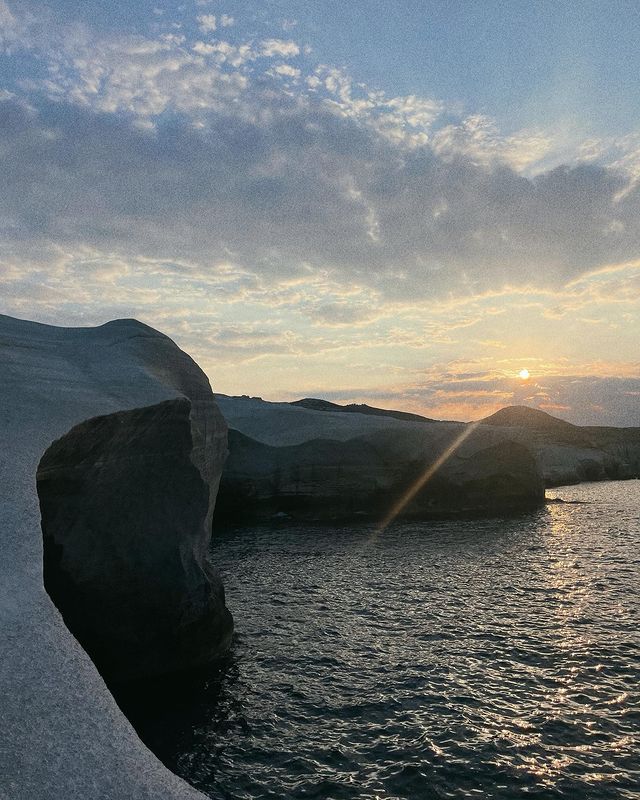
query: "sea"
461, 659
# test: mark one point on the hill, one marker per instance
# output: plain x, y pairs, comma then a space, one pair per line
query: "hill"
358, 408
569, 453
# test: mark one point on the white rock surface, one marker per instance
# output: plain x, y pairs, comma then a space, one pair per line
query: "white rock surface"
281, 424
315, 464
63, 737
568, 453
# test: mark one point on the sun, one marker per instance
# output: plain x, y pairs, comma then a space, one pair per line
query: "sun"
524, 374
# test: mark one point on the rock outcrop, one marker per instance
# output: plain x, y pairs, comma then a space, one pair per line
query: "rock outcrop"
567, 453
125, 516
320, 465
122, 430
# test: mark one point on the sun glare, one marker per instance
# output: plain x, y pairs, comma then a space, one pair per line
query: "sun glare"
524, 374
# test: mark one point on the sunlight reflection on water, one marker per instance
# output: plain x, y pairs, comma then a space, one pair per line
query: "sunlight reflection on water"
496, 658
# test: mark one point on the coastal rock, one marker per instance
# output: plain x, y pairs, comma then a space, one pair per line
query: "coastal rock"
128, 444
567, 453
320, 465
124, 511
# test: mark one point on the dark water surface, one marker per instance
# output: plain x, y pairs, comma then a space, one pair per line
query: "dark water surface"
496, 659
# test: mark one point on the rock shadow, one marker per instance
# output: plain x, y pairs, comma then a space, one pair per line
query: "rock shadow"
124, 518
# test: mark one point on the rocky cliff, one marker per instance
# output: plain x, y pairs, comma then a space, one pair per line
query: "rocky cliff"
316, 460
322, 465
567, 453
121, 430
125, 518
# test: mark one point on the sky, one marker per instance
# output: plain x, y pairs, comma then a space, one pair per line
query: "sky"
400, 203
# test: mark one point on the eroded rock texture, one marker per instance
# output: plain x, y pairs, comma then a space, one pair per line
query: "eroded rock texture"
322, 465
124, 516
131, 438
568, 453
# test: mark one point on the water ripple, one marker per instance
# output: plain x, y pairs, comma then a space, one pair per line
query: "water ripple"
492, 659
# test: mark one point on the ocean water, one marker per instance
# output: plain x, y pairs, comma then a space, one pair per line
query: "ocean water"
489, 659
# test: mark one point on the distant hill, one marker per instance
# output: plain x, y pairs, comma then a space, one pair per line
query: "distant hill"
358, 408
526, 417
570, 453
534, 420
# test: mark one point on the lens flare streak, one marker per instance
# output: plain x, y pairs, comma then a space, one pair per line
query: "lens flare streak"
426, 476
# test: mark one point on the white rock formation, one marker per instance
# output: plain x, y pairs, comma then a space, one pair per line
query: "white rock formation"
282, 424
328, 465
568, 453
63, 737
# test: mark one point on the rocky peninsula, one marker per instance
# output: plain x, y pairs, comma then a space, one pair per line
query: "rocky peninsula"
317, 463
316, 460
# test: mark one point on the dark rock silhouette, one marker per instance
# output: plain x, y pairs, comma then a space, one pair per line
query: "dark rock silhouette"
123, 516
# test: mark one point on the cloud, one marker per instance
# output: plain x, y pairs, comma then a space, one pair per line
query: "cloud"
139, 77
191, 180
207, 23
7, 19
343, 313
309, 187
279, 47
478, 138
287, 70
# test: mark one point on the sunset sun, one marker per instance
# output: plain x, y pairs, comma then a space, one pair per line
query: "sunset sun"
280, 514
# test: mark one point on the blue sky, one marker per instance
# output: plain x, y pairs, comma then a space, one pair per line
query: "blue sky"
523, 62
401, 203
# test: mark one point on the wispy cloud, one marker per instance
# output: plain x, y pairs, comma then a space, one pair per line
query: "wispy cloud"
279, 47
203, 179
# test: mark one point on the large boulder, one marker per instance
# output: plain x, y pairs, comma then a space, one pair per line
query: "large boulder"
315, 464
125, 518
128, 444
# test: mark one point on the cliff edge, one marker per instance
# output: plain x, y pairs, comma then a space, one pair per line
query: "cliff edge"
92, 418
